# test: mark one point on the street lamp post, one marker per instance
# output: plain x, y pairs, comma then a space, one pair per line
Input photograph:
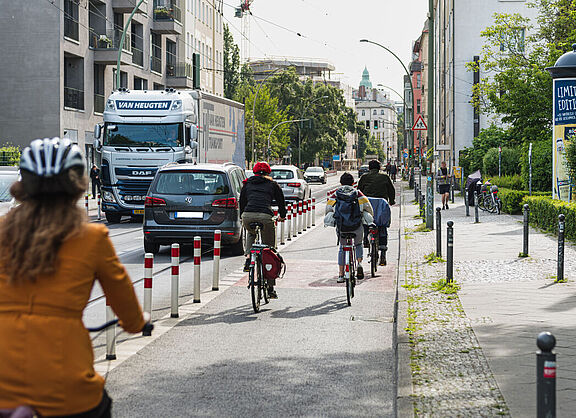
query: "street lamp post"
301, 116
278, 124
122, 42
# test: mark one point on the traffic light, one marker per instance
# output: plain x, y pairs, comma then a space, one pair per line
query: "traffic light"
196, 71
375, 124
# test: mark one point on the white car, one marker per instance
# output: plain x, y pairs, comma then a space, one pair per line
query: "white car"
291, 180
315, 174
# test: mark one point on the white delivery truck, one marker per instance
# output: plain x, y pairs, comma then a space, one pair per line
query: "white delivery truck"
146, 129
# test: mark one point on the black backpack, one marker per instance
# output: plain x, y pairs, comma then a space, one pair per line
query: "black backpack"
347, 212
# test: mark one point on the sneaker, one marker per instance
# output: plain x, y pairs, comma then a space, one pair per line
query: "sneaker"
340, 279
247, 265
272, 294
360, 273
446, 205
383, 259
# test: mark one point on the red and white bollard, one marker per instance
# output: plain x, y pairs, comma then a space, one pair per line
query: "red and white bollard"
309, 217
175, 258
216, 271
197, 257
313, 212
295, 219
289, 223
110, 334
276, 228
148, 266
99, 207
300, 225
304, 215
86, 203
282, 232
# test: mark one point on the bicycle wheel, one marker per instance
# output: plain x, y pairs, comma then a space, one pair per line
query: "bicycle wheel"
348, 276
490, 204
255, 286
264, 285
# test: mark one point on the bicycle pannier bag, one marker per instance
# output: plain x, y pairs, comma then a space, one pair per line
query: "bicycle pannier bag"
347, 211
273, 264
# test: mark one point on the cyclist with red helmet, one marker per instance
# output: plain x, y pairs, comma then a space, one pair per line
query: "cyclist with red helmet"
256, 198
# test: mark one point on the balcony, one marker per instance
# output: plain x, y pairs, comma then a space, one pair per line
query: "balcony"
167, 17
73, 98
126, 6
105, 48
179, 75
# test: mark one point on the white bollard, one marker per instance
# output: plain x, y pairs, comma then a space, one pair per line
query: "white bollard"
99, 207
110, 334
289, 223
216, 271
313, 212
309, 213
304, 215
175, 258
295, 219
300, 225
148, 266
197, 256
86, 203
276, 229
282, 241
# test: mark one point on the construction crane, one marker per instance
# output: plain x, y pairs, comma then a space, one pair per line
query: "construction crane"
243, 12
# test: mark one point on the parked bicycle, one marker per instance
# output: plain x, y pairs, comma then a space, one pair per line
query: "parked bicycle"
347, 239
488, 199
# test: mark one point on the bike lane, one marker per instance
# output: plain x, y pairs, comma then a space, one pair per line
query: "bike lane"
306, 354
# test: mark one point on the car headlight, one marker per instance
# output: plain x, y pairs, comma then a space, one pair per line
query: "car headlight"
108, 196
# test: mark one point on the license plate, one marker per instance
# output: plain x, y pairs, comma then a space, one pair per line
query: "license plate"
138, 211
189, 215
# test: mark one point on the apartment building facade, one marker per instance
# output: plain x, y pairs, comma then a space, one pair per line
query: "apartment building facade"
58, 73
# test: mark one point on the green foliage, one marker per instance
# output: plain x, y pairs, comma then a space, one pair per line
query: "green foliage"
472, 159
509, 162
544, 213
231, 64
541, 165
513, 200
513, 182
446, 288
570, 154
9, 155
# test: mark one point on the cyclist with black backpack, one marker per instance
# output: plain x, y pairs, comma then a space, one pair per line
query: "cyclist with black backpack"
348, 210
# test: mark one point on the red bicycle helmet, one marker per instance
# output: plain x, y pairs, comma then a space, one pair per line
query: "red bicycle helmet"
262, 168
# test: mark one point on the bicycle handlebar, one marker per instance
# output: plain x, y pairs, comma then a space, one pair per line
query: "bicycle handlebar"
148, 327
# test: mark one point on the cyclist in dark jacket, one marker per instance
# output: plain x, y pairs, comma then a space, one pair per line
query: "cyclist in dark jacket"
377, 184
256, 197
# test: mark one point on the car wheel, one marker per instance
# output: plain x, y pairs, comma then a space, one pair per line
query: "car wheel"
238, 248
151, 247
112, 217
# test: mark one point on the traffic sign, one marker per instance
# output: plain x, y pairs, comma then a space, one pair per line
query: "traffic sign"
420, 125
405, 155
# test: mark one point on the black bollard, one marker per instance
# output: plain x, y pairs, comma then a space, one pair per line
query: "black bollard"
438, 232
450, 253
416, 192
476, 217
546, 376
451, 192
526, 230
421, 203
466, 202
561, 225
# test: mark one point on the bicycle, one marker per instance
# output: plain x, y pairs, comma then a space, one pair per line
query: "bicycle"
350, 264
256, 282
373, 234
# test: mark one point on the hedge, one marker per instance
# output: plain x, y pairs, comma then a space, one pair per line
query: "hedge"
508, 182
513, 200
544, 213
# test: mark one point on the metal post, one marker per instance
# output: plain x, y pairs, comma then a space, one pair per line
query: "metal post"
175, 279
430, 201
415, 191
476, 217
110, 334
197, 256
438, 232
526, 230
546, 376
289, 224
313, 212
421, 203
216, 266
450, 253
466, 202
99, 207
451, 191
86, 203
561, 226
148, 266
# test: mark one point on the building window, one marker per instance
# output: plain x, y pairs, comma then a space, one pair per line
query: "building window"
158, 86
374, 112
382, 112
513, 43
140, 83
418, 80
170, 57
99, 97
71, 19
74, 82
156, 56
418, 106
137, 43
363, 112
123, 79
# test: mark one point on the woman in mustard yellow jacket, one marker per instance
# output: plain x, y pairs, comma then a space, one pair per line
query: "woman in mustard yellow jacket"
49, 259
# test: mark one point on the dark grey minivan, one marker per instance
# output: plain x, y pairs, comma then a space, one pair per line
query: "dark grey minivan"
188, 200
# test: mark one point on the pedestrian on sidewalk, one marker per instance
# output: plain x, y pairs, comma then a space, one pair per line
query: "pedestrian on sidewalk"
349, 200
443, 178
258, 194
95, 177
393, 171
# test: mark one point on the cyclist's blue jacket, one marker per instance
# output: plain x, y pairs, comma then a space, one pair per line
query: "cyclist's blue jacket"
382, 213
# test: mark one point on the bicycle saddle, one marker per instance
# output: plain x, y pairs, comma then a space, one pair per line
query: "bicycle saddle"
255, 225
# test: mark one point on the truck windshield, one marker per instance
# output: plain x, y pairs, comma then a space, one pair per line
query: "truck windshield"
144, 135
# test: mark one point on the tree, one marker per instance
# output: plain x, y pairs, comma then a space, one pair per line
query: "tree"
231, 64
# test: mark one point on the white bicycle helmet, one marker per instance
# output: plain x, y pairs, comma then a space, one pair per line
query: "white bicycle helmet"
50, 157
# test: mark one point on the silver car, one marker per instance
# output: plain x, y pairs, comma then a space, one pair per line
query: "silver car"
291, 180
315, 174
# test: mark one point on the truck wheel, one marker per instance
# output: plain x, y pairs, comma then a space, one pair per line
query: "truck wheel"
238, 248
113, 218
151, 247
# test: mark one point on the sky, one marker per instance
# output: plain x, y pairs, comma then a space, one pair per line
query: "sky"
331, 30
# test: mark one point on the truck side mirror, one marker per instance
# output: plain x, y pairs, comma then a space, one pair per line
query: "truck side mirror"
97, 144
192, 132
97, 131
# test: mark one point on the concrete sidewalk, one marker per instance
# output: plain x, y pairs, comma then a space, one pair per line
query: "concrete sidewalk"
473, 351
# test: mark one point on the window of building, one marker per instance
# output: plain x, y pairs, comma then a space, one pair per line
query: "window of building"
363, 112
418, 80
123, 79
170, 57
71, 19
382, 111
513, 42
137, 43
375, 112
99, 95
74, 82
418, 106
156, 54
140, 83
158, 86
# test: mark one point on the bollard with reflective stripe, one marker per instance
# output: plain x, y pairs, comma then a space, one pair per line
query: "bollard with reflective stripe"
476, 216
99, 207
450, 253
545, 376
313, 212
282, 232
289, 223
110, 334
466, 202
309, 213
175, 279
295, 219
526, 230
304, 215
276, 229
86, 203
451, 192
216, 271
561, 228
438, 232
300, 217
148, 266
197, 256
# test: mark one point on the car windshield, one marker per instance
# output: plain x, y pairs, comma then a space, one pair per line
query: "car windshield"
192, 183
314, 170
6, 180
282, 174
144, 135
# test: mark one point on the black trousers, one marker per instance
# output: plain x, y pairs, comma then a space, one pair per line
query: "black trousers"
95, 185
102, 410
